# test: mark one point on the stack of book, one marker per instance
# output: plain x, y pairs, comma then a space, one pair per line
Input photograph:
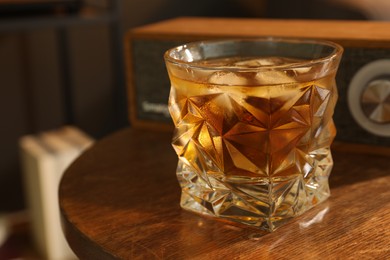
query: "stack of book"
45, 157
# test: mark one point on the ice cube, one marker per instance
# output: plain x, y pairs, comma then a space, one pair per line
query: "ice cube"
254, 63
272, 77
268, 76
264, 61
227, 78
302, 70
302, 74
298, 72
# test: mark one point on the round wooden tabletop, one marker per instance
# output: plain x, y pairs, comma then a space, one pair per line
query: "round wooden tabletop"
120, 200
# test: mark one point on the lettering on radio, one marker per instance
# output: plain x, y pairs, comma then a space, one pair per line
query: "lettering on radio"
158, 108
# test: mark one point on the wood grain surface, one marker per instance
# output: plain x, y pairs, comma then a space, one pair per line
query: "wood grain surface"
120, 200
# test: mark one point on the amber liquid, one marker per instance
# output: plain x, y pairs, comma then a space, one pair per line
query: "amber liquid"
253, 147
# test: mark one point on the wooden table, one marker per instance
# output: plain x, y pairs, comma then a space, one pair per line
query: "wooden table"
120, 199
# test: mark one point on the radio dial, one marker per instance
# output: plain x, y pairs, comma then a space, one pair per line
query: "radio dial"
369, 97
375, 101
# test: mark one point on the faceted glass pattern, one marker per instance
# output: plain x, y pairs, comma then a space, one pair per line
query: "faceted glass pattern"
257, 154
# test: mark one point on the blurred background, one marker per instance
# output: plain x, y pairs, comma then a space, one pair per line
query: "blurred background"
61, 62
54, 73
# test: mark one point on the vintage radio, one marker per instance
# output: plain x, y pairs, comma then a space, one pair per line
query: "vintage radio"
363, 111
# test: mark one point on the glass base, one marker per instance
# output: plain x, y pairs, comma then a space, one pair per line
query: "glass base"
266, 203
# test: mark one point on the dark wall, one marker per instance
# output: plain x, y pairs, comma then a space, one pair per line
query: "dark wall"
310, 9
34, 88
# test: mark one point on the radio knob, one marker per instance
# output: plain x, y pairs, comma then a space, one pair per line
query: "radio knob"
375, 101
369, 97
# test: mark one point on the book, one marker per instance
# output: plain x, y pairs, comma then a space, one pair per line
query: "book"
45, 157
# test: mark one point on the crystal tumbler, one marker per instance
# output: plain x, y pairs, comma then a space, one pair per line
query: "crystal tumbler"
253, 126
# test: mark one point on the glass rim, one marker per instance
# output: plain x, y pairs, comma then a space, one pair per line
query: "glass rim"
337, 52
